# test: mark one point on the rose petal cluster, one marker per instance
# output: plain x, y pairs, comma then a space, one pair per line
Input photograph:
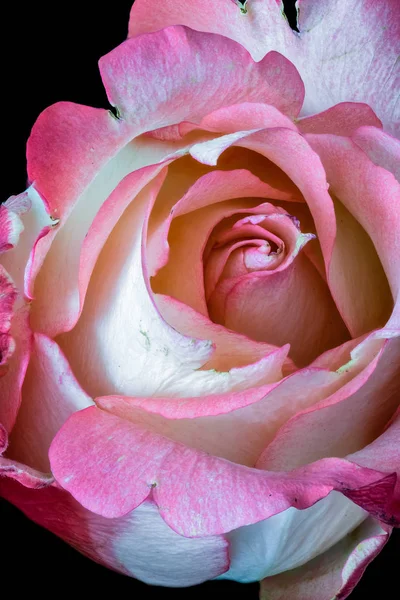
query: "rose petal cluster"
200, 322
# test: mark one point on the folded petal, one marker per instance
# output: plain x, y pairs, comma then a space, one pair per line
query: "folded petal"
346, 422
111, 465
290, 306
13, 372
10, 228
345, 52
75, 171
342, 119
50, 395
382, 149
139, 544
8, 296
188, 228
291, 153
333, 574
238, 425
121, 343
181, 59
372, 196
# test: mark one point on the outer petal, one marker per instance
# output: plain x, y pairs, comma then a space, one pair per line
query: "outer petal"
180, 58
333, 574
351, 47
50, 395
8, 296
140, 544
14, 372
76, 157
111, 465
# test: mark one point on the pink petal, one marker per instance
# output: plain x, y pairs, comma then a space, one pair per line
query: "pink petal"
139, 544
351, 47
232, 350
382, 149
50, 395
238, 425
290, 306
343, 423
291, 153
372, 195
245, 116
180, 58
121, 344
8, 296
342, 119
74, 135
182, 275
111, 465
333, 574
14, 372
35, 223
10, 228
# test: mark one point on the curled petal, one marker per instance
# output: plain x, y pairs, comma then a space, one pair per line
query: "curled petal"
221, 495
333, 574
382, 148
180, 58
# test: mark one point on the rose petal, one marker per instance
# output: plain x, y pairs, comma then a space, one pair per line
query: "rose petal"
382, 149
50, 395
372, 195
291, 538
333, 574
232, 350
139, 544
65, 136
111, 465
180, 58
196, 214
351, 47
342, 119
291, 153
342, 424
35, 220
14, 372
238, 425
8, 296
131, 349
10, 228
356, 278
290, 306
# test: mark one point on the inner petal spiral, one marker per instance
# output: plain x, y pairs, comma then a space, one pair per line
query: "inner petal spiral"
240, 263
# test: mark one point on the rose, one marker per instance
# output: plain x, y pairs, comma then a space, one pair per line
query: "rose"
252, 404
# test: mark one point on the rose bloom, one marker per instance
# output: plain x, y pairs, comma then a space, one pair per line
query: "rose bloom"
200, 322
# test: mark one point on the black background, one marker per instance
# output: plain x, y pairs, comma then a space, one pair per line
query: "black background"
50, 53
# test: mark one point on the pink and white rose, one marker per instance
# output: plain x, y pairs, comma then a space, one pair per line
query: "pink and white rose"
200, 324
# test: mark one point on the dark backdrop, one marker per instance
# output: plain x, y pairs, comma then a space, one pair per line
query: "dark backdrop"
49, 53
